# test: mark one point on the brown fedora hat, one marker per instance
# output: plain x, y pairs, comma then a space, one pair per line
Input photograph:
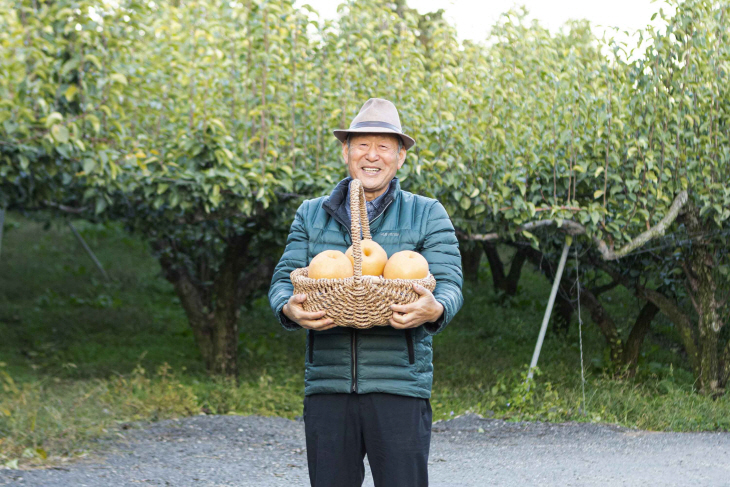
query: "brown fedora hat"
377, 116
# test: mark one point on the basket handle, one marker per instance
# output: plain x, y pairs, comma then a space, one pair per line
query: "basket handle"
359, 220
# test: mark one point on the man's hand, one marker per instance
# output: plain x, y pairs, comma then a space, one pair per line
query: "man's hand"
313, 320
425, 310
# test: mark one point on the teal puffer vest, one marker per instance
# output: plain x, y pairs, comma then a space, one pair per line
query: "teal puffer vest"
379, 359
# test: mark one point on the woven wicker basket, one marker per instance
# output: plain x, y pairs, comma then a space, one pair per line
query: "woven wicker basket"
359, 301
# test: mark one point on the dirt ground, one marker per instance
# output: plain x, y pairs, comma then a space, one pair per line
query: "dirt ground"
465, 451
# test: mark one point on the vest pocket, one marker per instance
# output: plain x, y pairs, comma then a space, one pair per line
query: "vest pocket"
311, 346
409, 344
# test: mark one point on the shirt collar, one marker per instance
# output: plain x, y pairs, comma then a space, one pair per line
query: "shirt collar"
337, 204
377, 202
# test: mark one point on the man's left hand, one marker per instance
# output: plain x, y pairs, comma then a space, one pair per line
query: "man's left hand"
425, 310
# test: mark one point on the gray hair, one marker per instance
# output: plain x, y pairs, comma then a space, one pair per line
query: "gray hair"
400, 142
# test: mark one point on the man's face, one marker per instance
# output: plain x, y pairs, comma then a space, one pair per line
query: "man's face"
373, 159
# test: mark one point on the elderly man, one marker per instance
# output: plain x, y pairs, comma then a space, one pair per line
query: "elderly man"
367, 391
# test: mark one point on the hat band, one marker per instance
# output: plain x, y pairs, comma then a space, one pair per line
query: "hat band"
383, 125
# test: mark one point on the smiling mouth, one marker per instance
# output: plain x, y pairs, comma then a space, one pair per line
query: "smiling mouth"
370, 170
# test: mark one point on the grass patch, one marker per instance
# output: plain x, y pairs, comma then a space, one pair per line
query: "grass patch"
81, 355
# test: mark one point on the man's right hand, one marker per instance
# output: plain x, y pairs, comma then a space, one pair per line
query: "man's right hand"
313, 320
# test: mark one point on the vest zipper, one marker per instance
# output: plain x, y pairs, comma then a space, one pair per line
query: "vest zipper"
354, 360
409, 344
354, 332
311, 346
353, 343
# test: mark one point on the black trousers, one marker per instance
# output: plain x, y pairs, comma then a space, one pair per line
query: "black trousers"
394, 431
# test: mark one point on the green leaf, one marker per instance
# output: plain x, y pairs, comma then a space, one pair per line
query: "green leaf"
522, 187
89, 165
93, 60
595, 217
69, 65
94, 120
119, 78
70, 92
598, 194
54, 117
60, 133
100, 205
465, 202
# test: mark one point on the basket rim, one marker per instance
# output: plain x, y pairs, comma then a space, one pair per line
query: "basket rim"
352, 279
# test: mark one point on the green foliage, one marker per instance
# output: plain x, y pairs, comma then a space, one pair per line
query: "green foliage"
229, 108
61, 120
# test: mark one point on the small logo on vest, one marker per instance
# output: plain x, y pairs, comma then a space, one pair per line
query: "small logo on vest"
390, 234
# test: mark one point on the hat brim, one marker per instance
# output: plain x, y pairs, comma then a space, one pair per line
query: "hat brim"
341, 135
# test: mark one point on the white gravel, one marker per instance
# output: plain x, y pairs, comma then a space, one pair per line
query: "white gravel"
207, 451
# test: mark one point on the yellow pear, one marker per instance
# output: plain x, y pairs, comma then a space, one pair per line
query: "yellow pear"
406, 264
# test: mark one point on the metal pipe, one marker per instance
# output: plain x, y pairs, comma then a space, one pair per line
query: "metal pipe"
549, 309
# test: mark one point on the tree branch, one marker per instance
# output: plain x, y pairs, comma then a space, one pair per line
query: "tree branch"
64, 208
691, 277
680, 319
605, 323
607, 253
641, 327
606, 287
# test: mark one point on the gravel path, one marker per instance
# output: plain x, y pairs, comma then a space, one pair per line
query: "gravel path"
208, 451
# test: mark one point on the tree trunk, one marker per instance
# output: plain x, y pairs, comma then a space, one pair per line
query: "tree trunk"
471, 256
636, 336
226, 307
725, 366
192, 302
699, 269
213, 312
515, 272
605, 323
506, 283
679, 319
562, 314
495, 265
709, 324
